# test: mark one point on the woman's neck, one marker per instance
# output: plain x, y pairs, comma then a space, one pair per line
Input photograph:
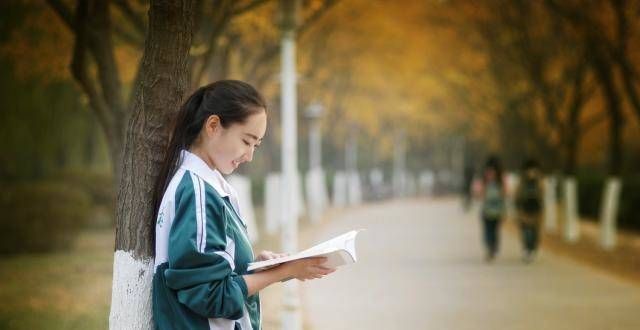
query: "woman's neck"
196, 150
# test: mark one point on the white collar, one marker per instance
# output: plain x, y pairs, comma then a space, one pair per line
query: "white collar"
212, 176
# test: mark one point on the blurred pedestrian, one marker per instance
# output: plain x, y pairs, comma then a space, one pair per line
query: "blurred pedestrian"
493, 199
529, 208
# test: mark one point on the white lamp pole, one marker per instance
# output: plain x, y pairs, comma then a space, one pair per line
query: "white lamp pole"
291, 319
315, 177
314, 111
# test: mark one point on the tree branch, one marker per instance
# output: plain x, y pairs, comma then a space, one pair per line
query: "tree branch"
136, 20
67, 18
102, 49
315, 16
63, 12
79, 69
220, 22
248, 7
224, 12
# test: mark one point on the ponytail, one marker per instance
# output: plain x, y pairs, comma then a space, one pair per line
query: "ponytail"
180, 139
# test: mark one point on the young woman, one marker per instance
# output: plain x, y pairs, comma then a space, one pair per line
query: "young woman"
202, 250
493, 194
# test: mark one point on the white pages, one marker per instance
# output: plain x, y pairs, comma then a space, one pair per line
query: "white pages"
339, 251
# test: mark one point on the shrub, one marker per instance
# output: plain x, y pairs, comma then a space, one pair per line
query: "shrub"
98, 186
41, 216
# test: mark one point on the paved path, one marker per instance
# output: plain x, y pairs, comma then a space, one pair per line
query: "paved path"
420, 267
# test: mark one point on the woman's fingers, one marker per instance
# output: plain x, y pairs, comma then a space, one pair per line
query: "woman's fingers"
310, 268
323, 270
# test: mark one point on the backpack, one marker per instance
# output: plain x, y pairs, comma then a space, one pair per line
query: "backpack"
529, 196
493, 204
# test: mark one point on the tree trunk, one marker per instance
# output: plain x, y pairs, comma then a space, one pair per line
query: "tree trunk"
573, 131
605, 77
164, 80
573, 135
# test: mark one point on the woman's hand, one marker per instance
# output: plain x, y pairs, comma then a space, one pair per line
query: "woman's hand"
302, 269
268, 255
307, 268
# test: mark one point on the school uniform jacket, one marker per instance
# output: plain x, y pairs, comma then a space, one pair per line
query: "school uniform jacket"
202, 251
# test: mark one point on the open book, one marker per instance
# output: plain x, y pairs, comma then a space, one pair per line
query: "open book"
339, 251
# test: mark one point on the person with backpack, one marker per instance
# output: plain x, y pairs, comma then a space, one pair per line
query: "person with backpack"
529, 208
493, 205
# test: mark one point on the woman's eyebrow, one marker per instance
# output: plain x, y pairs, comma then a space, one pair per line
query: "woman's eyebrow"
253, 136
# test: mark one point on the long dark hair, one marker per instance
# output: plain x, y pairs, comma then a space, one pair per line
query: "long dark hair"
231, 100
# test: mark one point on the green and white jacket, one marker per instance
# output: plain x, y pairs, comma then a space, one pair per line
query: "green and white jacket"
202, 251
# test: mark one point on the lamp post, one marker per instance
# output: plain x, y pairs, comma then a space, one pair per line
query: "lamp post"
291, 300
316, 191
313, 113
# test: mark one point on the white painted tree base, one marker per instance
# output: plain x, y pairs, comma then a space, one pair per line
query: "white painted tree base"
550, 202
340, 189
354, 188
609, 212
316, 194
571, 226
131, 304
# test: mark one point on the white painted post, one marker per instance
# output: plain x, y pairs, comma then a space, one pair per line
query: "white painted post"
316, 194
339, 189
550, 204
354, 190
291, 317
427, 181
376, 182
272, 203
571, 226
242, 185
609, 212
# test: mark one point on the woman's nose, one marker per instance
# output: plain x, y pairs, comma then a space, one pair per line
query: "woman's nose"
249, 155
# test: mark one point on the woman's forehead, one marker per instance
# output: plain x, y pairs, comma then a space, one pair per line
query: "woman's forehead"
254, 127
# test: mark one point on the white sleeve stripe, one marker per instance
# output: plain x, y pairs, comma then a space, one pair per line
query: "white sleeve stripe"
229, 253
196, 191
203, 215
200, 228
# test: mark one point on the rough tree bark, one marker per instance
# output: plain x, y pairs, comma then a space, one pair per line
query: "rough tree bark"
164, 78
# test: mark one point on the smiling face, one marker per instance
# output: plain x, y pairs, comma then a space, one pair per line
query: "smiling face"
225, 149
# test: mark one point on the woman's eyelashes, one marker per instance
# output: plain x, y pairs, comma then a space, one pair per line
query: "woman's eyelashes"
247, 143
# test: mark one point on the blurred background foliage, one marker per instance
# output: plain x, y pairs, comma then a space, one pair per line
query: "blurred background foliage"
548, 79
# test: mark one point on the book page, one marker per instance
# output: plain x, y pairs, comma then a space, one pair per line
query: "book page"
342, 242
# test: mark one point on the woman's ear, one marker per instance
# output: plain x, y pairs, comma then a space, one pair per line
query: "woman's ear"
212, 124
